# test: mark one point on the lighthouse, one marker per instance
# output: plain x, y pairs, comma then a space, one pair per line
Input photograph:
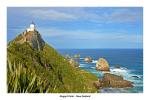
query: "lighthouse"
31, 28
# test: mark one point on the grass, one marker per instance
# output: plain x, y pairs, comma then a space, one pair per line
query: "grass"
21, 80
32, 71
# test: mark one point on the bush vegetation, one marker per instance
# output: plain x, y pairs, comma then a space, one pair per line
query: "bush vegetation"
32, 71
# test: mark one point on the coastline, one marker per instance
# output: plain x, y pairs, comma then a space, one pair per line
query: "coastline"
129, 72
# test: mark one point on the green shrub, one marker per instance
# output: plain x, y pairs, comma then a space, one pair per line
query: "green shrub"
43, 71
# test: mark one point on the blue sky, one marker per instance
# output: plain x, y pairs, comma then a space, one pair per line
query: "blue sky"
80, 27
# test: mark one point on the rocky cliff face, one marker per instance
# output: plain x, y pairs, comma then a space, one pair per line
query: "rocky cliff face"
113, 81
33, 38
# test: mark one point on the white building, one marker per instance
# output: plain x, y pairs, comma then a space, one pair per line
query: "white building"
31, 28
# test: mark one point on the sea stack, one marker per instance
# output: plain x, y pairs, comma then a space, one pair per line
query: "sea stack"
88, 59
102, 65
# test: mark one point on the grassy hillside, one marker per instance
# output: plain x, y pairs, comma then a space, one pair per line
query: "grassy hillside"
34, 71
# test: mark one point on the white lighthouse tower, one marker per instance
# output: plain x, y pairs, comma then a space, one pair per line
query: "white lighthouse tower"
31, 28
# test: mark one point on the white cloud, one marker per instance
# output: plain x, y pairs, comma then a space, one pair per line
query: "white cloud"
111, 15
90, 35
51, 15
123, 15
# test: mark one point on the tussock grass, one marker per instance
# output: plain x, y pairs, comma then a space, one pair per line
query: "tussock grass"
46, 71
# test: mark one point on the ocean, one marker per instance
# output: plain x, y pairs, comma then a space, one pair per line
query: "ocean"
129, 60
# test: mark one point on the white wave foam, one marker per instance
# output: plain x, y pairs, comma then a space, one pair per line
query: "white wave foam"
134, 76
81, 58
128, 75
119, 71
94, 61
82, 65
93, 67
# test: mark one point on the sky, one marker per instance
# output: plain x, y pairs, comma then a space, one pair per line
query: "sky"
80, 27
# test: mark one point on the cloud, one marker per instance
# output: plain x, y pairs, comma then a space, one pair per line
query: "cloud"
124, 15
92, 14
91, 35
52, 15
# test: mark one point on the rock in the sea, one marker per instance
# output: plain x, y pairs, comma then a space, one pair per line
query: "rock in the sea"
88, 59
109, 77
102, 65
97, 84
117, 66
115, 81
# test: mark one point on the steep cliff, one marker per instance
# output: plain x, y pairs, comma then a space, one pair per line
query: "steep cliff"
33, 38
34, 66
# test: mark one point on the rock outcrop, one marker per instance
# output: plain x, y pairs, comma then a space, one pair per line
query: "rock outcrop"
97, 84
73, 63
33, 38
88, 59
113, 81
77, 56
102, 65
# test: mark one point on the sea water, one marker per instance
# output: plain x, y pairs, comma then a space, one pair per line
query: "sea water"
129, 60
